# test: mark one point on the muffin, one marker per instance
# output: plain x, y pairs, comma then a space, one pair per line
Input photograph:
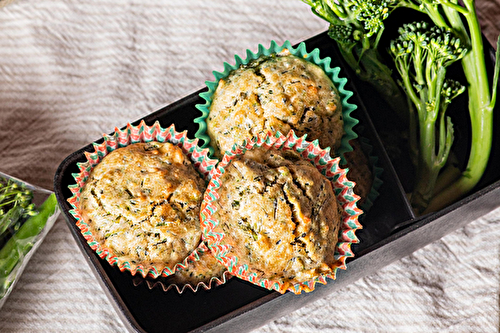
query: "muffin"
200, 270
279, 215
276, 92
286, 213
137, 201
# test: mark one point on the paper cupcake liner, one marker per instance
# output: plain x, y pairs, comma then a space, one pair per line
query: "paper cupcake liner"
299, 51
122, 138
328, 166
166, 285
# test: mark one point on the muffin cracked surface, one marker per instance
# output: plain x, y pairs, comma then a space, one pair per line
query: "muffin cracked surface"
142, 203
279, 215
275, 93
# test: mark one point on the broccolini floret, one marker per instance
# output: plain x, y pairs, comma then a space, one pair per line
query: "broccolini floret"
15, 205
463, 21
422, 54
358, 43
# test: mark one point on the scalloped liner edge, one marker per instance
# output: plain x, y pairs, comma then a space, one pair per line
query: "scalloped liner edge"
328, 166
165, 286
121, 138
376, 170
300, 50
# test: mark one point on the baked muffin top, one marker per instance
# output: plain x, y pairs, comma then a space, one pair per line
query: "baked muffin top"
275, 93
142, 203
279, 215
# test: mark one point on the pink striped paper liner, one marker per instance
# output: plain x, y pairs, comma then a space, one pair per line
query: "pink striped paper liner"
328, 166
122, 138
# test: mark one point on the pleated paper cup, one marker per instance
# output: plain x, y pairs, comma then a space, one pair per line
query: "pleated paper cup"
364, 169
334, 74
200, 271
121, 138
214, 235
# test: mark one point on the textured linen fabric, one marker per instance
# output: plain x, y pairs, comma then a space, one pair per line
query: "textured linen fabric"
72, 70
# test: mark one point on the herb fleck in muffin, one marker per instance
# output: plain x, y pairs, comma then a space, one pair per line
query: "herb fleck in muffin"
279, 215
142, 203
275, 93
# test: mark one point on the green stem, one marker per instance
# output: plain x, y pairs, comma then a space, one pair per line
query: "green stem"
450, 174
10, 219
427, 171
380, 77
348, 55
480, 110
435, 16
8, 202
413, 133
337, 9
413, 101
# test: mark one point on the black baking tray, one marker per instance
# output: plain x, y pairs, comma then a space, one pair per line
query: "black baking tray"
390, 229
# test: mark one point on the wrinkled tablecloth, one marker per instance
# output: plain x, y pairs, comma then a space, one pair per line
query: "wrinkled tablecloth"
72, 70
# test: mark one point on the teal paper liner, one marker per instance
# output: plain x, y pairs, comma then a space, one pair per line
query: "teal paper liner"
300, 51
377, 172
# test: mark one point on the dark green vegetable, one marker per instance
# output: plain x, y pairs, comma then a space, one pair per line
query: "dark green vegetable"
463, 21
422, 53
15, 205
22, 241
356, 26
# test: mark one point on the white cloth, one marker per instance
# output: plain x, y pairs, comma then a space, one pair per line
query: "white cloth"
72, 70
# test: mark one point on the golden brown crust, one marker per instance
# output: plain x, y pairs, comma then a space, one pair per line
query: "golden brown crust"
275, 93
142, 202
279, 215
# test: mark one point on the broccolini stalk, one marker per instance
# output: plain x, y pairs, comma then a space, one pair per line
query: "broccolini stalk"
356, 26
422, 54
449, 14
